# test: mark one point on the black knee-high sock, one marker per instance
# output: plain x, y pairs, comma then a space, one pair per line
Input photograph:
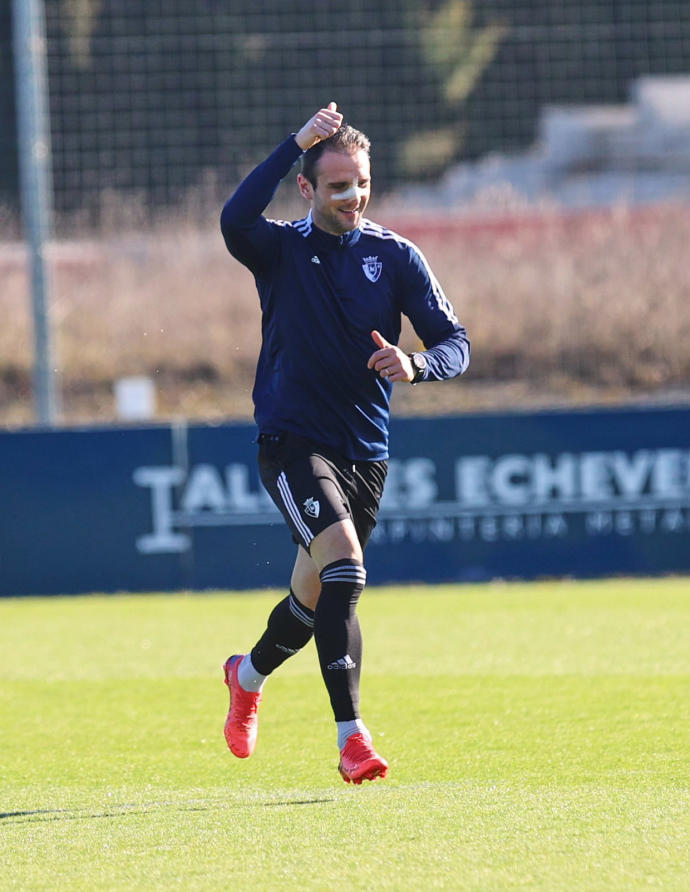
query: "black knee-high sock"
290, 627
338, 637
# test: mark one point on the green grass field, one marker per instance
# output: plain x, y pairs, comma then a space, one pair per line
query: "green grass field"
538, 736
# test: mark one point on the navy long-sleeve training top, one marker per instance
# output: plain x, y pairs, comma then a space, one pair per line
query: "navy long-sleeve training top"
321, 297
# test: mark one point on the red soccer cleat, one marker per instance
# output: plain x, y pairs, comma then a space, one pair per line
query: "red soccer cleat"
359, 761
242, 723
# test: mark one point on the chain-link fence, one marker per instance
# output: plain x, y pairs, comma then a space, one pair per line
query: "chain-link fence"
152, 101
157, 110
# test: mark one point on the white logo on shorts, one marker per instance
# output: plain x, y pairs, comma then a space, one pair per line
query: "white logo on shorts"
312, 507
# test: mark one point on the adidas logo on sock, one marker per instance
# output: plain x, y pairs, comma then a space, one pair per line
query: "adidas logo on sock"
345, 662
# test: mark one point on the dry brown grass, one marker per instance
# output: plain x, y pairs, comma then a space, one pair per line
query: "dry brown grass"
560, 311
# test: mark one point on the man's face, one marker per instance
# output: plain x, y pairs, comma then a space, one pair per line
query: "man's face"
343, 187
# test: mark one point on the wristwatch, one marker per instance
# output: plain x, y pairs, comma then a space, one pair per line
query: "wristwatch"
418, 361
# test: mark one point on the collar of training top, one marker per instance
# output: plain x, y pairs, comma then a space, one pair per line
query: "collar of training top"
326, 240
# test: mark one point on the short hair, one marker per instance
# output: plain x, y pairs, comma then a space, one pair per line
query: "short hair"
345, 140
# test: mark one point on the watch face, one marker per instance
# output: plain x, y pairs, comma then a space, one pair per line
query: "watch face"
419, 365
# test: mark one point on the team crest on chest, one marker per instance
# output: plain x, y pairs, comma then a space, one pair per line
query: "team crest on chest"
372, 267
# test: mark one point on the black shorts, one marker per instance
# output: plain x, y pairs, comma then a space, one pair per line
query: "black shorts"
315, 487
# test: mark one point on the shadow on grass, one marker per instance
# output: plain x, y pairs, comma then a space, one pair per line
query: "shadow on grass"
65, 814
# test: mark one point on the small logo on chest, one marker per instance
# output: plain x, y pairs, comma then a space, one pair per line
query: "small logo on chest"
372, 267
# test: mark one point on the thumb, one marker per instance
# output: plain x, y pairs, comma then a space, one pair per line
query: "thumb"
379, 340
332, 106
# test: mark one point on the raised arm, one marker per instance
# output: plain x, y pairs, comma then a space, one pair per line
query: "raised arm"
248, 235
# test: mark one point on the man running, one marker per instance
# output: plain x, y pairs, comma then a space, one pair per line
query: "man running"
332, 287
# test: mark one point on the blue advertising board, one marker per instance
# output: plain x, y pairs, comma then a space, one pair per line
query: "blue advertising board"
468, 498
